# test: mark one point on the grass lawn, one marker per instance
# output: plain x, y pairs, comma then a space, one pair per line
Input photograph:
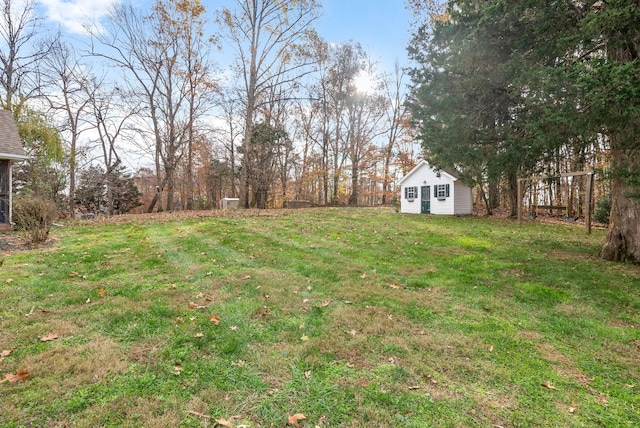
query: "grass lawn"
350, 317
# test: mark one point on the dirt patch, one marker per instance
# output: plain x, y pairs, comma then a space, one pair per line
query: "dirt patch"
14, 241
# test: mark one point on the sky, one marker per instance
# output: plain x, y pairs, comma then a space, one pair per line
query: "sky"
380, 26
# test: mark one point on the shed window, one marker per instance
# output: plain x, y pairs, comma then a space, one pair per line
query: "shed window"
441, 191
410, 193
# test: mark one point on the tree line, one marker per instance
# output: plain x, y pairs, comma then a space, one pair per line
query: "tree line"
286, 118
500, 91
505, 90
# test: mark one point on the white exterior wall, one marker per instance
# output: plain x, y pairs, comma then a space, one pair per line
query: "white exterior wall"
464, 199
410, 207
459, 201
417, 178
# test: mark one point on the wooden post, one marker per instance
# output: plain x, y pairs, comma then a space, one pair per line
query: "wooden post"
589, 192
520, 200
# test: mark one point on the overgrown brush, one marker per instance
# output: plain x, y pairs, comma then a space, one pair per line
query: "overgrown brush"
33, 217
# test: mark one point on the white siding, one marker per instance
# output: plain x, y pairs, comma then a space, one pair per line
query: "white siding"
464, 199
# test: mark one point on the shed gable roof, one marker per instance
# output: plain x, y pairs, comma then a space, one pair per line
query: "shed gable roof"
10, 141
423, 163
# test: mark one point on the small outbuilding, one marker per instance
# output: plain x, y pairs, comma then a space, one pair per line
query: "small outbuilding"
229, 203
11, 151
425, 190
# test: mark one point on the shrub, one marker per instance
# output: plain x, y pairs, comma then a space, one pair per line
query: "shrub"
33, 216
603, 210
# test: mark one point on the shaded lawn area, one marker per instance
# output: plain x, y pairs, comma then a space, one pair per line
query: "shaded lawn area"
351, 317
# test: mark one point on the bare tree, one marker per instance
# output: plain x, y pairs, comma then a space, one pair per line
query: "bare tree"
396, 118
268, 37
165, 77
110, 116
20, 52
365, 113
65, 87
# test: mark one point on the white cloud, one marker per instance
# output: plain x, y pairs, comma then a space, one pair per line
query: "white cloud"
73, 15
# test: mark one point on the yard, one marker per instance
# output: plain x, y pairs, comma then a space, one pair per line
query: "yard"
318, 317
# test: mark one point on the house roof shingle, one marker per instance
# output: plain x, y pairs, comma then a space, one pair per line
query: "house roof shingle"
10, 141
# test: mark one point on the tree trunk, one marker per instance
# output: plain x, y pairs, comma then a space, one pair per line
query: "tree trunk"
493, 201
623, 240
353, 198
512, 188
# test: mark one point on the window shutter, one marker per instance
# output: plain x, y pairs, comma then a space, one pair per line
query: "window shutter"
447, 190
406, 192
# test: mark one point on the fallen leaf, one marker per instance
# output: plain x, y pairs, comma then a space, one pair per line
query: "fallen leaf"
193, 305
294, 419
309, 288
572, 409
21, 375
394, 286
72, 273
549, 385
180, 320
304, 338
199, 334
177, 369
8, 280
5, 353
214, 319
305, 300
301, 326
307, 374
49, 337
363, 276
224, 422
246, 277
102, 292
326, 303
234, 328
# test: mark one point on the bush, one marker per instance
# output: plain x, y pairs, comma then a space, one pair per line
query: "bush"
603, 210
33, 216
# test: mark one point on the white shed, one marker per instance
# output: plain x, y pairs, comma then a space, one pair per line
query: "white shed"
427, 191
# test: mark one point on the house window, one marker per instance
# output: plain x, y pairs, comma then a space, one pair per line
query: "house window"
410, 193
441, 191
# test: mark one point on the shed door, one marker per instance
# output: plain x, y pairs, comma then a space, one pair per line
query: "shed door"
4, 191
425, 199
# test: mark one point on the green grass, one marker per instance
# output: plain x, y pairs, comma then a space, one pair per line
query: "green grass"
353, 317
